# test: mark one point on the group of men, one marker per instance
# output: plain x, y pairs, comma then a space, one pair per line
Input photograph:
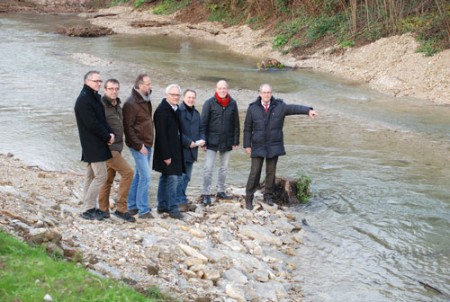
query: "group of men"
176, 131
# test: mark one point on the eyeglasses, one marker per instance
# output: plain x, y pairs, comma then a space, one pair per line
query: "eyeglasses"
113, 88
174, 95
96, 81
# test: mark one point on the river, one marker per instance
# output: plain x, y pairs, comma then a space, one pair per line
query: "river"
379, 219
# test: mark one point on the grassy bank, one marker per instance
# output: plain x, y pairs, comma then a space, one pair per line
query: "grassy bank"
29, 274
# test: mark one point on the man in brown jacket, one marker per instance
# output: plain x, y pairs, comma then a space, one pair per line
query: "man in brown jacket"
113, 113
138, 128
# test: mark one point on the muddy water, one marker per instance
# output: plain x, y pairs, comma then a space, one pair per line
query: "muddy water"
378, 223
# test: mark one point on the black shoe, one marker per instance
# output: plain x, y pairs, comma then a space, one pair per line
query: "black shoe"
223, 195
176, 215
161, 211
249, 202
125, 216
268, 200
147, 215
206, 200
103, 214
133, 212
91, 214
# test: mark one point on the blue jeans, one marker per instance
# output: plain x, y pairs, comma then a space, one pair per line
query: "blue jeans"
183, 183
167, 193
138, 194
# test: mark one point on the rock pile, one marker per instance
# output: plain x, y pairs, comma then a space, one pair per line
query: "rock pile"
218, 253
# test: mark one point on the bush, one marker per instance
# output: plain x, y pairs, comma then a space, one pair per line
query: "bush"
303, 188
279, 41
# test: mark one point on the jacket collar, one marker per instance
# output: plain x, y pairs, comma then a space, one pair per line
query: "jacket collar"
138, 96
107, 101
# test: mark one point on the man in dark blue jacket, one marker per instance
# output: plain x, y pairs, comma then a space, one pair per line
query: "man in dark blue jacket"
263, 139
190, 140
95, 136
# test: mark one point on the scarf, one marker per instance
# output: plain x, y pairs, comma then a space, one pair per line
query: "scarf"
223, 102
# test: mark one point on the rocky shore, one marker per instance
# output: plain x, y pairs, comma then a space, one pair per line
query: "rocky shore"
218, 253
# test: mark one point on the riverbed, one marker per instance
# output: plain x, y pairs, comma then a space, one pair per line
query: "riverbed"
378, 222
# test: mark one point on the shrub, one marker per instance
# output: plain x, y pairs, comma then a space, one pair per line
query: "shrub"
303, 188
279, 41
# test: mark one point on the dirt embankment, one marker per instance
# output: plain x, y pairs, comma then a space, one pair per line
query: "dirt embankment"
390, 65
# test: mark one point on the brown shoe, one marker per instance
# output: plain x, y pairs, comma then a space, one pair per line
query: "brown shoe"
183, 207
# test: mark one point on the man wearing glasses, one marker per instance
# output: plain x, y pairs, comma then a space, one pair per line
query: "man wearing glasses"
168, 159
117, 163
138, 128
95, 136
263, 139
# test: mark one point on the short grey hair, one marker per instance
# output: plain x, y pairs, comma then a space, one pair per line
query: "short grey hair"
168, 88
88, 75
265, 85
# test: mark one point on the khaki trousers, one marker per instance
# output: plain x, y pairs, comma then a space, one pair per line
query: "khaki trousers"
116, 164
94, 180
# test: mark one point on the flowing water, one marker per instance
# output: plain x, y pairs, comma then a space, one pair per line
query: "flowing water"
379, 219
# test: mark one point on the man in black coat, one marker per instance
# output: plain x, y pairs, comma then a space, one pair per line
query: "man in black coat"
168, 152
263, 139
220, 127
95, 136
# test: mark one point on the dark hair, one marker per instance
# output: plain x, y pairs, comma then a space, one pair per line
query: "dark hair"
189, 90
140, 80
111, 81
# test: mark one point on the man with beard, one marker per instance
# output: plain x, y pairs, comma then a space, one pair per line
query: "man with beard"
138, 128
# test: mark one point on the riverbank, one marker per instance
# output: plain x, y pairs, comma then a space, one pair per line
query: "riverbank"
213, 254
389, 65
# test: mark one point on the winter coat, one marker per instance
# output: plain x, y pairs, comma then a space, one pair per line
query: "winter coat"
190, 131
115, 121
167, 140
220, 125
93, 130
137, 121
263, 132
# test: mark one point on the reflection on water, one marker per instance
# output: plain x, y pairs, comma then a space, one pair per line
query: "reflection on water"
379, 226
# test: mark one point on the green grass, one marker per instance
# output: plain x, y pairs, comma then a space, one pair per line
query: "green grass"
167, 7
28, 274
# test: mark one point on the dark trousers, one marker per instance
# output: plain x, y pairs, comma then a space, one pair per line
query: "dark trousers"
255, 175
